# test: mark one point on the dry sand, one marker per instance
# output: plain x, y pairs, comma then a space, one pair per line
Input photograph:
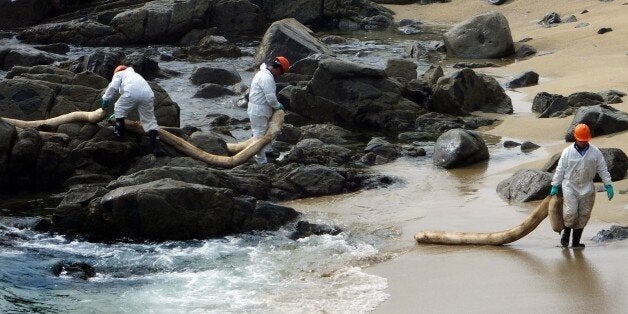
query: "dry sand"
531, 274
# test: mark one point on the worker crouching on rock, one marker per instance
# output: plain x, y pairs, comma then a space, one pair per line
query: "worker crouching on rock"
263, 99
134, 93
575, 172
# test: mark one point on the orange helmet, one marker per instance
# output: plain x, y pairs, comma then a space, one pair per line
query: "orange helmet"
282, 62
119, 68
582, 133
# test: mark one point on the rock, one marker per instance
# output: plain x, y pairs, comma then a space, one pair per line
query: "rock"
524, 79
511, 144
465, 91
211, 47
354, 96
570, 19
583, 99
401, 69
305, 11
305, 229
528, 146
458, 148
419, 92
327, 133
77, 270
432, 74
417, 136
601, 119
58, 48
209, 143
421, 49
290, 39
313, 180
614, 233
82, 195
524, 51
612, 96
8, 136
167, 209
550, 19
604, 30
237, 16
525, 185
14, 14
25, 100
314, 151
228, 76
211, 90
333, 39
90, 79
548, 104
379, 146
409, 30
143, 65
474, 65
583, 24
23, 158
483, 36
101, 62
11, 56
80, 32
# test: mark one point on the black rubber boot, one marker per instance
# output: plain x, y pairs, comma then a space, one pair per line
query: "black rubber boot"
564, 240
119, 129
577, 234
154, 140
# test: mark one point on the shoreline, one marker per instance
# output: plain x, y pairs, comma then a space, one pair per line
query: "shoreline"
479, 279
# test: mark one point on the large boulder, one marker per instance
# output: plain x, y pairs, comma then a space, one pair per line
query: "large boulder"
354, 96
525, 185
457, 148
15, 14
25, 100
482, 37
80, 32
313, 180
290, 39
304, 11
314, 151
167, 209
465, 91
601, 119
237, 16
11, 56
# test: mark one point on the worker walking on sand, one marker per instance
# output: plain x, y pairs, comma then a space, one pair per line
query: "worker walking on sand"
575, 172
263, 99
134, 93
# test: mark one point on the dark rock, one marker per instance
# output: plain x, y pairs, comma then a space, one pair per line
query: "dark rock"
432, 74
90, 79
143, 65
612, 96
15, 14
465, 91
313, 180
421, 49
209, 143
228, 76
525, 51
314, 151
379, 146
418, 91
11, 56
528, 146
77, 270
237, 16
417, 136
101, 62
582, 99
290, 39
546, 104
483, 36
511, 144
474, 65
305, 229
82, 195
401, 69
524, 79
25, 100
211, 90
327, 133
8, 137
525, 185
570, 19
601, 119
550, 19
58, 48
604, 30
458, 148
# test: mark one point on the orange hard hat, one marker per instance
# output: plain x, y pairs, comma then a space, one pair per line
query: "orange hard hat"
283, 63
582, 133
119, 68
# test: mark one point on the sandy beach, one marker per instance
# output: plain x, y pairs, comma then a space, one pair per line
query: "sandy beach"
532, 274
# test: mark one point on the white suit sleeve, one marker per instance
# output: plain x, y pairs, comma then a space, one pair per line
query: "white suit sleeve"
602, 169
270, 92
113, 86
559, 173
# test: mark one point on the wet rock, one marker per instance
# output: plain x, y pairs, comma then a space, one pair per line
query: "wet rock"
327, 133
417, 136
90, 79
525, 185
465, 91
143, 65
333, 39
82, 195
438, 123
15, 14
612, 96
314, 151
421, 49
458, 148
11, 56
614, 233
312, 180
227, 76
88, 179
101, 62
432, 74
511, 144
524, 79
583, 99
209, 143
547, 105
409, 30
371, 159
78, 270
210, 47
379, 146
525, 51
601, 119
237, 16
290, 39
483, 36
604, 30
401, 69
354, 96
418, 91
58, 48
306, 229
211, 90
528, 146
80, 32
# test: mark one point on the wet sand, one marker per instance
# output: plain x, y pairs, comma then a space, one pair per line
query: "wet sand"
534, 273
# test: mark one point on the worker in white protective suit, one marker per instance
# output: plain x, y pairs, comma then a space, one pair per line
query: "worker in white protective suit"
134, 93
575, 172
263, 99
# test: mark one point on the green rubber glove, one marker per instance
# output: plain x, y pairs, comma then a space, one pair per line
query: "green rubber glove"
279, 107
554, 190
104, 103
609, 191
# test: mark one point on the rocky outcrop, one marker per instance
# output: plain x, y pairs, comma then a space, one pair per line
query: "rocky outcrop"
525, 185
167, 209
314, 151
458, 148
465, 91
354, 96
554, 105
482, 37
22, 55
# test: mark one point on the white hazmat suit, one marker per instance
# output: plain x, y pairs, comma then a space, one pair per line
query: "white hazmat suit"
134, 93
575, 173
262, 100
